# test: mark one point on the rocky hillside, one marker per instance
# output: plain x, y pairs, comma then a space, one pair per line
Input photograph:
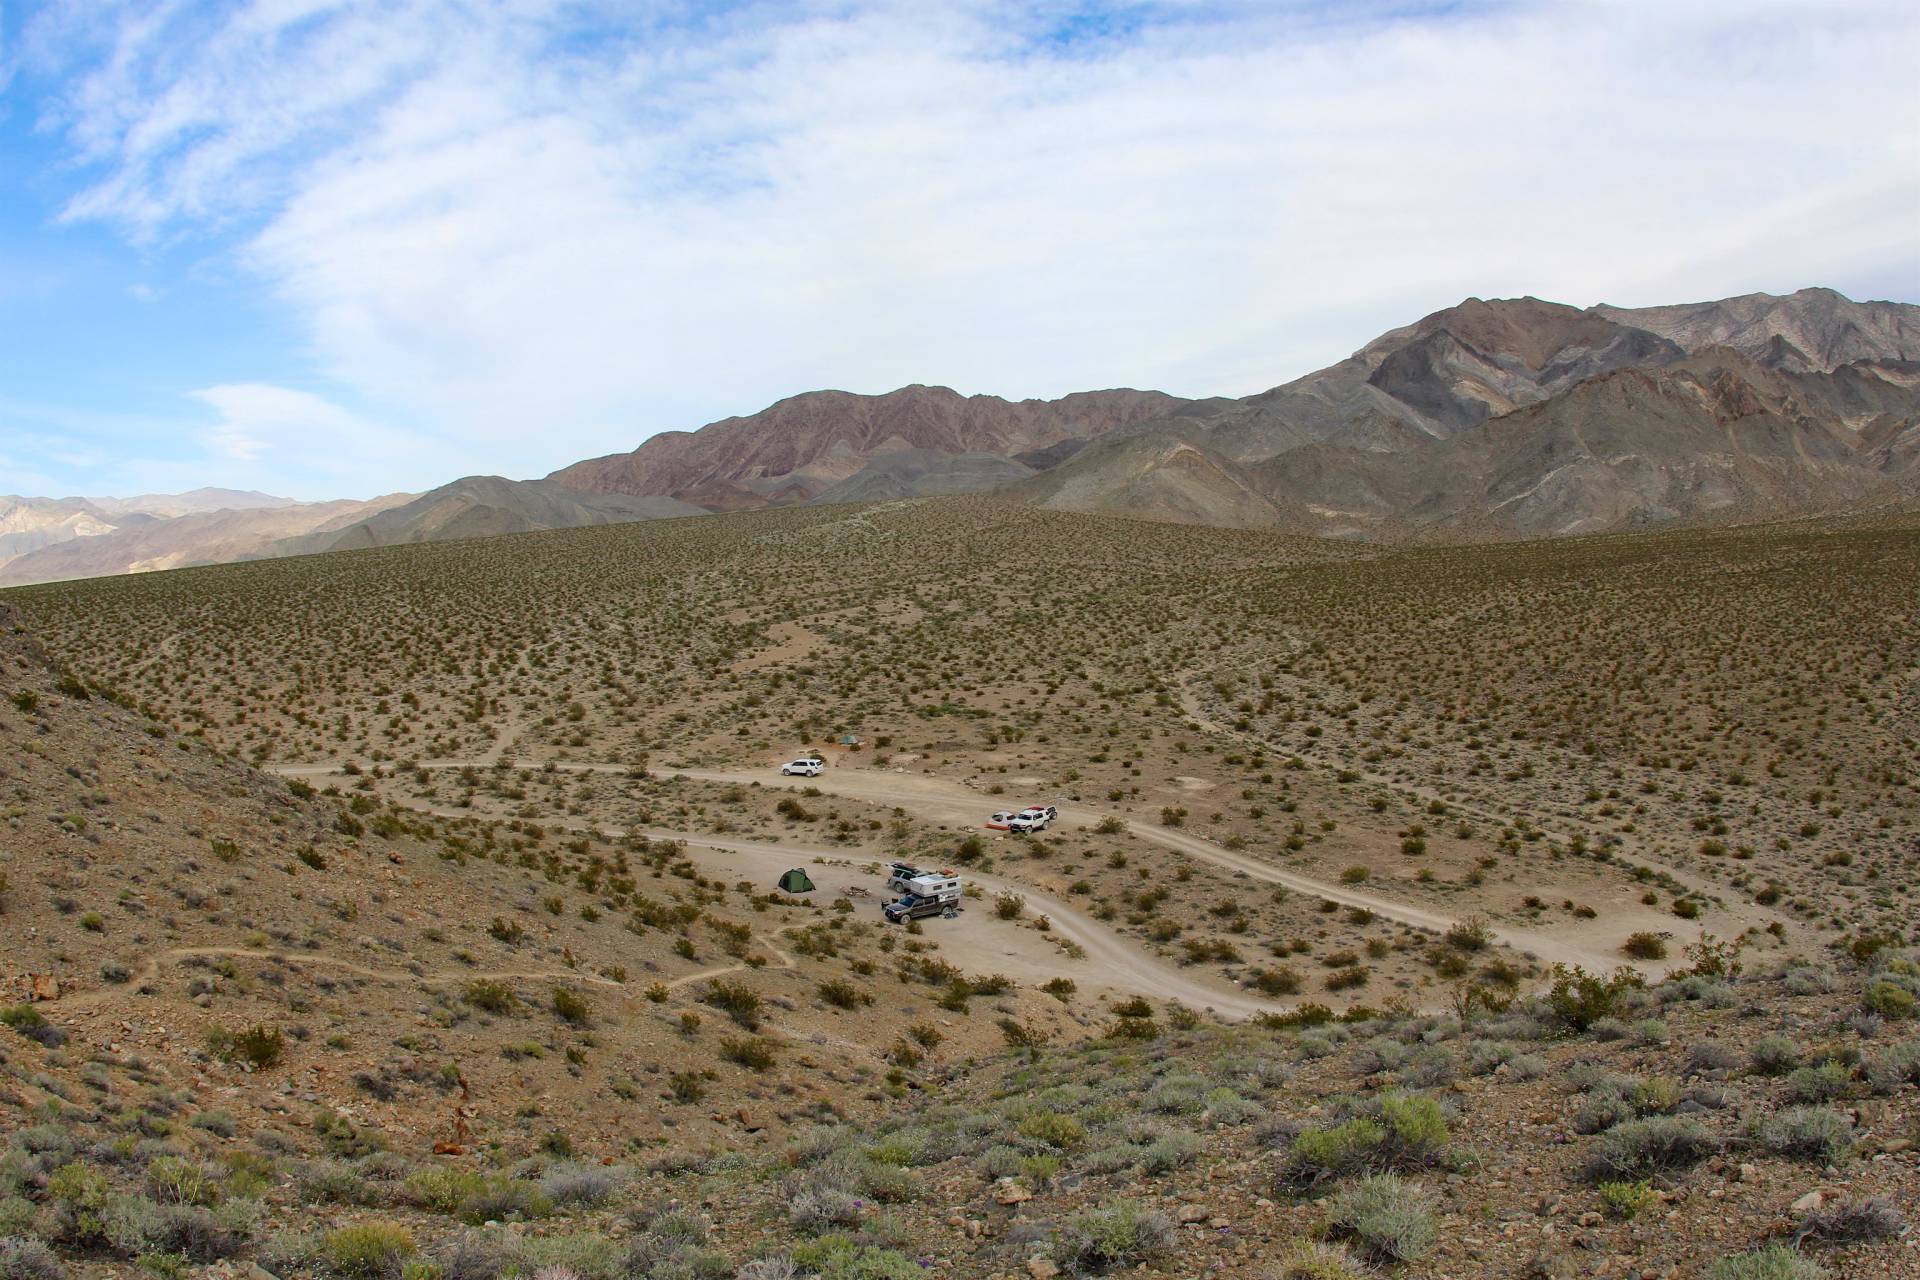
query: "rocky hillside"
1523, 419
807, 445
1509, 417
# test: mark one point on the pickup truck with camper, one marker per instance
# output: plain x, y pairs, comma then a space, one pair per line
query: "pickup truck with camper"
934, 893
805, 767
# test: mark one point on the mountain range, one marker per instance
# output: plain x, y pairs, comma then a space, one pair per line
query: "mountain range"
1492, 418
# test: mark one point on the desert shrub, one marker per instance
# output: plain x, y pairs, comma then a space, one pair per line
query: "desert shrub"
841, 1257
777, 1266
1775, 1262
1224, 1106
17, 1214
1627, 1200
1388, 1220
26, 1259
1169, 1151
1311, 1260
1854, 1220
499, 1199
1177, 1095
331, 1182
1655, 1145
1055, 1130
1807, 981
257, 1047
842, 994
1711, 1055
177, 1181
741, 1003
816, 1204
474, 1255
572, 1007
1602, 1109
490, 996
135, 1225
1410, 1132
1773, 1056
751, 1052
1646, 946
219, 1123
1804, 1133
1577, 999
1432, 1067
1891, 999
1277, 981
1111, 1236
579, 1185
1823, 1083
1897, 1066
441, 1188
1471, 934
1380, 1054
367, 1251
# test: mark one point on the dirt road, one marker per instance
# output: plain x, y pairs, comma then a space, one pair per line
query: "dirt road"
941, 800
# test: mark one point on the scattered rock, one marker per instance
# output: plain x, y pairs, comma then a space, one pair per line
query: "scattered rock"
1808, 1202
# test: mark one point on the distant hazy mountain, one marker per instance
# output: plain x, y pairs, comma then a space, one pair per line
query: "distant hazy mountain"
479, 507
142, 542
196, 500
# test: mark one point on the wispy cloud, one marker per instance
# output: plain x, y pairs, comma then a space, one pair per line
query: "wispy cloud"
536, 229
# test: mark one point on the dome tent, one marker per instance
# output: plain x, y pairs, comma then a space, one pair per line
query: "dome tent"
795, 881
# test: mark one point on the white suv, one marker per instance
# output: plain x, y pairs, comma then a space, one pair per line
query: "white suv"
801, 769
1036, 818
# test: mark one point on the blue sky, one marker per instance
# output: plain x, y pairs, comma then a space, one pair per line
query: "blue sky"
334, 248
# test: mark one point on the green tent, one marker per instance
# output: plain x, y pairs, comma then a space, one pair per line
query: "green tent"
795, 881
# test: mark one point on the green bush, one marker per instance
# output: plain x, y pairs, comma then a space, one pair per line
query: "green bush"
741, 1003
1409, 1132
257, 1047
1063, 1132
751, 1052
1627, 1200
1823, 1083
490, 996
1578, 999
572, 1007
367, 1251
1891, 1000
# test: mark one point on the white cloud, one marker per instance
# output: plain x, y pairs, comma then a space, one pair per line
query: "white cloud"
540, 242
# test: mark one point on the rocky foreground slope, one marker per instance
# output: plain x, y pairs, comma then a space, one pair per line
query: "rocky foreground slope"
254, 1026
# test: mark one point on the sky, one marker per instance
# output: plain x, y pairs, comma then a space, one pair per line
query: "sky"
326, 248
